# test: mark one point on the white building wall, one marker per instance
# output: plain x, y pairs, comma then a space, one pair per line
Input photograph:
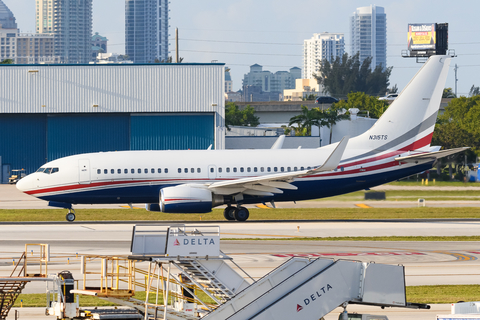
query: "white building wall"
322, 46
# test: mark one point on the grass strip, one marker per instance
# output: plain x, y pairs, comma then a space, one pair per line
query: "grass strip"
19, 215
416, 294
381, 238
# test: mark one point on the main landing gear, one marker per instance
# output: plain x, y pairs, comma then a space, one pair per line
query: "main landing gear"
236, 213
70, 215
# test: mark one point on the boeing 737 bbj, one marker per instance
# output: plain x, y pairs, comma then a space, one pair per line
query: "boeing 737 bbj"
195, 181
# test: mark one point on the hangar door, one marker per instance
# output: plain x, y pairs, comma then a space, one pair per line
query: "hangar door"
22, 144
172, 132
73, 134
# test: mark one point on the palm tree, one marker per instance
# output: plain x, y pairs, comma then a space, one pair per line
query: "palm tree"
331, 116
306, 120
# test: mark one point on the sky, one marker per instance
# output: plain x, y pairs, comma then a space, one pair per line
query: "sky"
241, 33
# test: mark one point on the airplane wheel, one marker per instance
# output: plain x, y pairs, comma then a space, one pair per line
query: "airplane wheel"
70, 217
229, 213
241, 214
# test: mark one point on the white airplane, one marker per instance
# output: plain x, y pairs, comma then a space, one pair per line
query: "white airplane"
195, 181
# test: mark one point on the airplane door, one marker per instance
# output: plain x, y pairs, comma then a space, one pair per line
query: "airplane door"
84, 171
212, 172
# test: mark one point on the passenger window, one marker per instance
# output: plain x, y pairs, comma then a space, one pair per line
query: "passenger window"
308, 168
262, 169
179, 170
132, 170
186, 170
255, 169
125, 171
295, 169
234, 169
199, 170
220, 170
166, 170
269, 169
105, 171
152, 170
112, 171
139, 170
98, 171
241, 169
159, 170
289, 169
249, 169
145, 170
119, 171
211, 170
192, 170
282, 169
275, 169
302, 168
228, 169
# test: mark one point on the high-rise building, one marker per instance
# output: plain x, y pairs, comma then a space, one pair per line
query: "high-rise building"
7, 20
23, 48
71, 24
146, 30
321, 47
369, 34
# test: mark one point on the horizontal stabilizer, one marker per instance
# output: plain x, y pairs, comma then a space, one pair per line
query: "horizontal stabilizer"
431, 155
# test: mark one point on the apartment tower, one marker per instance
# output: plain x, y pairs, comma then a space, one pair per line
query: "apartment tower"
321, 47
369, 34
146, 30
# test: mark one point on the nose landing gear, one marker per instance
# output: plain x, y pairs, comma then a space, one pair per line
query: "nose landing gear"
70, 215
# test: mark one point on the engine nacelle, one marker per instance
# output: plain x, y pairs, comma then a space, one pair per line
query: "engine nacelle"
186, 198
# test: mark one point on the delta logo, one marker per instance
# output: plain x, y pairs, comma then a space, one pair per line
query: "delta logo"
314, 296
176, 243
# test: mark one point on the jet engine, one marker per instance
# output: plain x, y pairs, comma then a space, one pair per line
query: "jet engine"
186, 198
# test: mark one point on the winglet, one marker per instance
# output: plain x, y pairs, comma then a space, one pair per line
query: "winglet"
279, 143
334, 159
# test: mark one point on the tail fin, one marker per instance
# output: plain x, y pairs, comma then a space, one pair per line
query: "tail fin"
409, 121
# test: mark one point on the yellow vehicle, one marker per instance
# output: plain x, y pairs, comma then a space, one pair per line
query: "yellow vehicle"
16, 175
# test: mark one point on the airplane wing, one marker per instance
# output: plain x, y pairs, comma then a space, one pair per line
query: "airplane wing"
430, 155
267, 185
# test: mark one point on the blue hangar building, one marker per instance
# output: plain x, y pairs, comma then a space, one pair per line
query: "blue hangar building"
52, 111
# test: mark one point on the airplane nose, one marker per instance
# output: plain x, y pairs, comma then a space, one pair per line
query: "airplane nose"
23, 184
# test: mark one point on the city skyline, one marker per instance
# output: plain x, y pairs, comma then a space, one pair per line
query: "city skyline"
270, 33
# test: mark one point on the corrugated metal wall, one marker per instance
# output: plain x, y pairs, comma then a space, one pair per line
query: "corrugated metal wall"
73, 134
23, 141
113, 88
172, 132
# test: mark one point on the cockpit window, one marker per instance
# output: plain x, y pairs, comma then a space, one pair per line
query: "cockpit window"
54, 170
47, 170
40, 170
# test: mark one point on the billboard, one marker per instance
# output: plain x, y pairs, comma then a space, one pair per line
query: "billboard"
421, 36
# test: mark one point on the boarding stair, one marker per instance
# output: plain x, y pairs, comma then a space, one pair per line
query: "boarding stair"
10, 289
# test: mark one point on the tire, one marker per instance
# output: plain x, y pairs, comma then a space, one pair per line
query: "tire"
241, 214
229, 213
70, 217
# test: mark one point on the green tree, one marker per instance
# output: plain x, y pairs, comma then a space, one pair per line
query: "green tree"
365, 103
448, 93
459, 125
333, 115
305, 121
309, 97
346, 74
236, 117
7, 61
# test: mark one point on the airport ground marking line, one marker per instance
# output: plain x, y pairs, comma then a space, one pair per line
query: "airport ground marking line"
458, 256
261, 235
362, 205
